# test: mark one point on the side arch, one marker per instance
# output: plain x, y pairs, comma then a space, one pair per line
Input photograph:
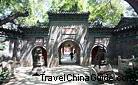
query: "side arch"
94, 51
44, 54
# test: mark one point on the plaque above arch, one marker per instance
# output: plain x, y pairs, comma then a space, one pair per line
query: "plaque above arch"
39, 41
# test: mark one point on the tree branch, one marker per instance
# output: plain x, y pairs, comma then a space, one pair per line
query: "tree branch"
10, 18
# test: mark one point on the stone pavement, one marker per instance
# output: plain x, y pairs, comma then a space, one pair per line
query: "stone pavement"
24, 77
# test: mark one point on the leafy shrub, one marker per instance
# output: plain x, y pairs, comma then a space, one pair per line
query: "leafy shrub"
134, 50
4, 74
131, 74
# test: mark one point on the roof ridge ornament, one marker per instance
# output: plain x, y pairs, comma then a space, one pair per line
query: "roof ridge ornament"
97, 23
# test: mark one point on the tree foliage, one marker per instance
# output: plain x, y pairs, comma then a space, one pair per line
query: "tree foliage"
13, 5
36, 10
108, 11
67, 5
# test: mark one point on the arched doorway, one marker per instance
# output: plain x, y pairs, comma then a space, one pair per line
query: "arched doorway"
39, 55
69, 52
98, 51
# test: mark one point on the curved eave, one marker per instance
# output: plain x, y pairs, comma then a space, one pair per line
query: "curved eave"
126, 28
10, 31
101, 29
68, 16
23, 28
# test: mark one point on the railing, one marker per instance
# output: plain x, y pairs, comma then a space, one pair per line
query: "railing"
124, 64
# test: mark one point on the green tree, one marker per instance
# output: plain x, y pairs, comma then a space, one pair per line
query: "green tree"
36, 10
67, 5
108, 11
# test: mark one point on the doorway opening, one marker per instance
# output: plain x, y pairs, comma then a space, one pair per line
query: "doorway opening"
39, 55
98, 53
69, 52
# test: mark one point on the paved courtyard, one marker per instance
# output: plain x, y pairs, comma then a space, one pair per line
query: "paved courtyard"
24, 77
51, 76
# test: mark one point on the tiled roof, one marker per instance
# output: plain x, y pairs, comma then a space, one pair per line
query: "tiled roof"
68, 16
10, 31
127, 23
30, 27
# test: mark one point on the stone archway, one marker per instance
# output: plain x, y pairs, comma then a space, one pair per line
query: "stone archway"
94, 53
64, 51
41, 51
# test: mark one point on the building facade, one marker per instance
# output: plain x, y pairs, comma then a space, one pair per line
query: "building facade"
70, 32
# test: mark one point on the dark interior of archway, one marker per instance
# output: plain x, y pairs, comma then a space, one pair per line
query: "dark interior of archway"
94, 52
44, 54
65, 49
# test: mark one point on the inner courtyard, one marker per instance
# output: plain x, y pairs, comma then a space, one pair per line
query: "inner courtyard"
69, 49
